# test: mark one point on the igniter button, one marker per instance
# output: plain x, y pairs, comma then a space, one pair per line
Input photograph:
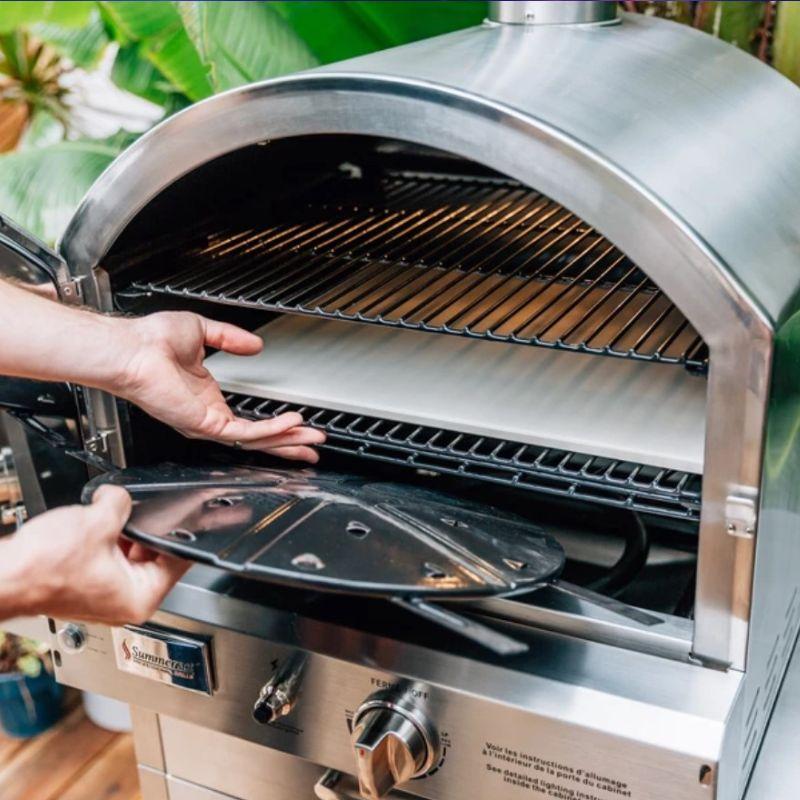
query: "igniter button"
72, 637
272, 704
279, 694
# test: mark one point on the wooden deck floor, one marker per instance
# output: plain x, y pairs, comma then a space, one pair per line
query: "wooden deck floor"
75, 760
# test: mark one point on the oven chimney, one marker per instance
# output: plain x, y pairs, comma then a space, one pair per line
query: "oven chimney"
554, 12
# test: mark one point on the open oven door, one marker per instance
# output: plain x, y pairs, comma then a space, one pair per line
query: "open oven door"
32, 264
39, 422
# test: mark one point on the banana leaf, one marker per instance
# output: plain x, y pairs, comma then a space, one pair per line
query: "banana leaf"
134, 73
82, 46
242, 42
338, 30
786, 47
737, 23
164, 42
67, 13
40, 188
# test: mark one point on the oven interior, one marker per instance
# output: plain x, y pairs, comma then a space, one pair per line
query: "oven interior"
358, 231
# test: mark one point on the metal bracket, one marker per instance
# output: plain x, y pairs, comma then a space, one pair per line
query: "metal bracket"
98, 444
88, 456
741, 512
335, 785
71, 290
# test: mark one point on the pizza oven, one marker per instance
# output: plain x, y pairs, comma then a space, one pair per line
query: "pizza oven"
547, 264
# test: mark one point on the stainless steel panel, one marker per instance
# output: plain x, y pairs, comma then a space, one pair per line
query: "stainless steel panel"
152, 784
777, 771
558, 611
649, 723
564, 12
234, 766
521, 100
776, 583
646, 413
32, 627
147, 738
184, 790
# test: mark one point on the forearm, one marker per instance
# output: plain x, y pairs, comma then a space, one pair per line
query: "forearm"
20, 592
45, 340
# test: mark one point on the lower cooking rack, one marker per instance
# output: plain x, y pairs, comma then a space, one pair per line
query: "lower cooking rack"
647, 489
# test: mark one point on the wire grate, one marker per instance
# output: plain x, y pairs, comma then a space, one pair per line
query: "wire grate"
651, 490
478, 257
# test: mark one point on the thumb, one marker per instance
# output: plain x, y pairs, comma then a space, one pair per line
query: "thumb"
223, 336
109, 511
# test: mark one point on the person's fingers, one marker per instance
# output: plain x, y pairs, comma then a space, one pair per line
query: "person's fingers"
292, 437
153, 579
109, 510
230, 338
244, 430
299, 453
139, 553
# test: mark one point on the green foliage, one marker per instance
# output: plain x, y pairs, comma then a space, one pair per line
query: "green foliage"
737, 23
337, 30
242, 42
175, 53
786, 48
82, 46
132, 72
18, 654
158, 29
41, 187
43, 129
67, 13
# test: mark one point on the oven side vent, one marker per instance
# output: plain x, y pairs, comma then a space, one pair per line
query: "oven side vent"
480, 257
651, 490
762, 697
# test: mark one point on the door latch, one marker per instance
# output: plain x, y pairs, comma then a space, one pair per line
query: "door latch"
741, 512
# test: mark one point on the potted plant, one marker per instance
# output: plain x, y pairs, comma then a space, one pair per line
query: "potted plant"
30, 698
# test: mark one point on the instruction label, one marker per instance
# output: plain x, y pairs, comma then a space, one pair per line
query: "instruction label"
548, 778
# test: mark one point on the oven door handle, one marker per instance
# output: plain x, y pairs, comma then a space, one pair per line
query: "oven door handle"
335, 785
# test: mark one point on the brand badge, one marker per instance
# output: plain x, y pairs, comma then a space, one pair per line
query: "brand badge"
165, 656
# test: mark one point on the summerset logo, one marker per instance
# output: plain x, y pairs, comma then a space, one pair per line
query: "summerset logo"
170, 666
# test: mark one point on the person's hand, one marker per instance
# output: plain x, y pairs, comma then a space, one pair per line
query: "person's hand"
72, 563
163, 373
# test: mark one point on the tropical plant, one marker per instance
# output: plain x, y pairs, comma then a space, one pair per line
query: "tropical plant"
171, 54
25, 656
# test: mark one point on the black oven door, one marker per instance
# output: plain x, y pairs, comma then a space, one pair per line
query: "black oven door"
39, 420
31, 263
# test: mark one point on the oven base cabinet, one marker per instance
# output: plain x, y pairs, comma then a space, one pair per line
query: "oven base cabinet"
571, 719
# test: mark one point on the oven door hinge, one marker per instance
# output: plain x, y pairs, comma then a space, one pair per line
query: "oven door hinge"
95, 449
70, 290
741, 512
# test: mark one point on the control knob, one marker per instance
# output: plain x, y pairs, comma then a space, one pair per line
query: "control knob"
72, 637
393, 743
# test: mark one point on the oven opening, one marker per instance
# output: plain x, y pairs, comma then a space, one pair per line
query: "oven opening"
445, 325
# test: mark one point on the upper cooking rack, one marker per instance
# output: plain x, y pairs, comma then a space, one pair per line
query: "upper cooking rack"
479, 257
561, 473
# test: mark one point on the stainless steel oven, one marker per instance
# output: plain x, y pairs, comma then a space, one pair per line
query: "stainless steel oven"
549, 264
